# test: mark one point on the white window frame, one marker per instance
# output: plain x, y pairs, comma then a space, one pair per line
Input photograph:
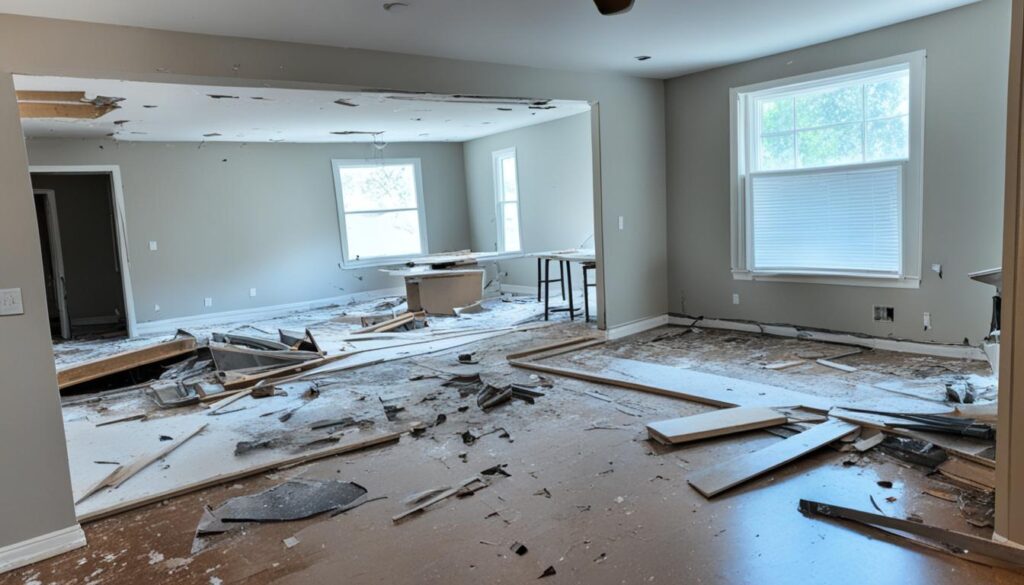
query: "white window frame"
742, 121
336, 165
499, 202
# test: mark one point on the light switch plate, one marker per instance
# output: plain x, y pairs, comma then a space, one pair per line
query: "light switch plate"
208, 301
252, 292
152, 246
10, 302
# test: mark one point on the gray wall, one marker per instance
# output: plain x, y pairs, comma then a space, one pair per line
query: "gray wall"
89, 249
36, 496
556, 191
228, 217
965, 134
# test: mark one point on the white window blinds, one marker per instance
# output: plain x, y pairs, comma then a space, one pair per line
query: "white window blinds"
842, 221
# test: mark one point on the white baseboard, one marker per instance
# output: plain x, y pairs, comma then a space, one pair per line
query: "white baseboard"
257, 313
915, 347
634, 327
26, 552
521, 289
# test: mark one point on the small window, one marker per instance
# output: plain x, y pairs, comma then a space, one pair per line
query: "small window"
506, 193
380, 207
827, 175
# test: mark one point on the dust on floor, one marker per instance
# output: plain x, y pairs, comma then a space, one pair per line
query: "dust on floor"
588, 494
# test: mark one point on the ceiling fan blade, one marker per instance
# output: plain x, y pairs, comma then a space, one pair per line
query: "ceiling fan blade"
608, 7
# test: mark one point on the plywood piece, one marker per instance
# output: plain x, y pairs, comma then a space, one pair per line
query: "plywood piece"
59, 110
50, 96
440, 294
713, 424
124, 361
970, 473
686, 384
720, 478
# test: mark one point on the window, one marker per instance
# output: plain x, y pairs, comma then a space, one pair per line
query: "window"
380, 208
506, 195
827, 175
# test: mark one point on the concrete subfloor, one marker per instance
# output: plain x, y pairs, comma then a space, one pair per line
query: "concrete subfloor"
588, 494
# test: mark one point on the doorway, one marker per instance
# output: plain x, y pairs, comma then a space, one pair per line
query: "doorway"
81, 254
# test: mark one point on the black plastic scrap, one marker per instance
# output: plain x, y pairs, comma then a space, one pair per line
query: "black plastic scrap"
548, 572
292, 500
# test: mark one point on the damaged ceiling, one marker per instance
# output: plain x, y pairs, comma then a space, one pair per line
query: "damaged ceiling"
681, 36
166, 112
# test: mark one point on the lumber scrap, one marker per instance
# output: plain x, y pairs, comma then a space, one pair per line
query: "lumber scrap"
966, 546
439, 497
686, 384
572, 341
835, 365
783, 365
240, 474
124, 361
968, 473
229, 400
713, 424
392, 323
720, 478
125, 472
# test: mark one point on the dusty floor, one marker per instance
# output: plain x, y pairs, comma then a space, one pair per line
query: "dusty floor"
588, 494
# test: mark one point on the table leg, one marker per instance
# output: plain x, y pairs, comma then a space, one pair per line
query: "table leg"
568, 275
538, 280
547, 286
586, 297
561, 276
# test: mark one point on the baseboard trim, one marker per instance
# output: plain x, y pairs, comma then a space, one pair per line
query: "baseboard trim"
26, 552
902, 346
635, 327
257, 313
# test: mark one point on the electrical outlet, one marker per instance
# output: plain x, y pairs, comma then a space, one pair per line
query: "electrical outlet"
252, 292
883, 313
735, 298
152, 246
927, 321
208, 301
10, 302
156, 308
622, 222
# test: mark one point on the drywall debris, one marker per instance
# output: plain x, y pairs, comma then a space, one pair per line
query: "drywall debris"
293, 500
346, 102
290, 542
221, 96
548, 572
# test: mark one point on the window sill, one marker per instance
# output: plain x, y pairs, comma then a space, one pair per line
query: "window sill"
833, 279
378, 262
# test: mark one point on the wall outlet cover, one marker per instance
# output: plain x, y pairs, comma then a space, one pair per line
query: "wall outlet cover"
252, 292
152, 246
735, 298
10, 302
156, 308
208, 301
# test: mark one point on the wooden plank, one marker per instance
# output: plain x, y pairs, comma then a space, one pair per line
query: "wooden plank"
720, 478
784, 365
236, 475
836, 365
371, 328
713, 424
124, 361
549, 346
589, 342
59, 110
970, 473
229, 400
25, 95
686, 384
441, 496
960, 544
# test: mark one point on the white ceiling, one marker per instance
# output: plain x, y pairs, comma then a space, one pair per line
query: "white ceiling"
681, 36
187, 113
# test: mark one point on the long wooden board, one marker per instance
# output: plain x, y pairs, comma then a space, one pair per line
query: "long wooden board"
713, 424
686, 384
124, 361
720, 478
235, 475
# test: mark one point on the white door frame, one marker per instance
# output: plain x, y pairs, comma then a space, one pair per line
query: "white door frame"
119, 219
56, 259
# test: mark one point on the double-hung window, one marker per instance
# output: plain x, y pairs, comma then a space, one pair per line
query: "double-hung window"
380, 210
827, 176
506, 196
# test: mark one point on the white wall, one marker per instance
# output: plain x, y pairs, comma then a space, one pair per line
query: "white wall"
965, 135
228, 217
556, 191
